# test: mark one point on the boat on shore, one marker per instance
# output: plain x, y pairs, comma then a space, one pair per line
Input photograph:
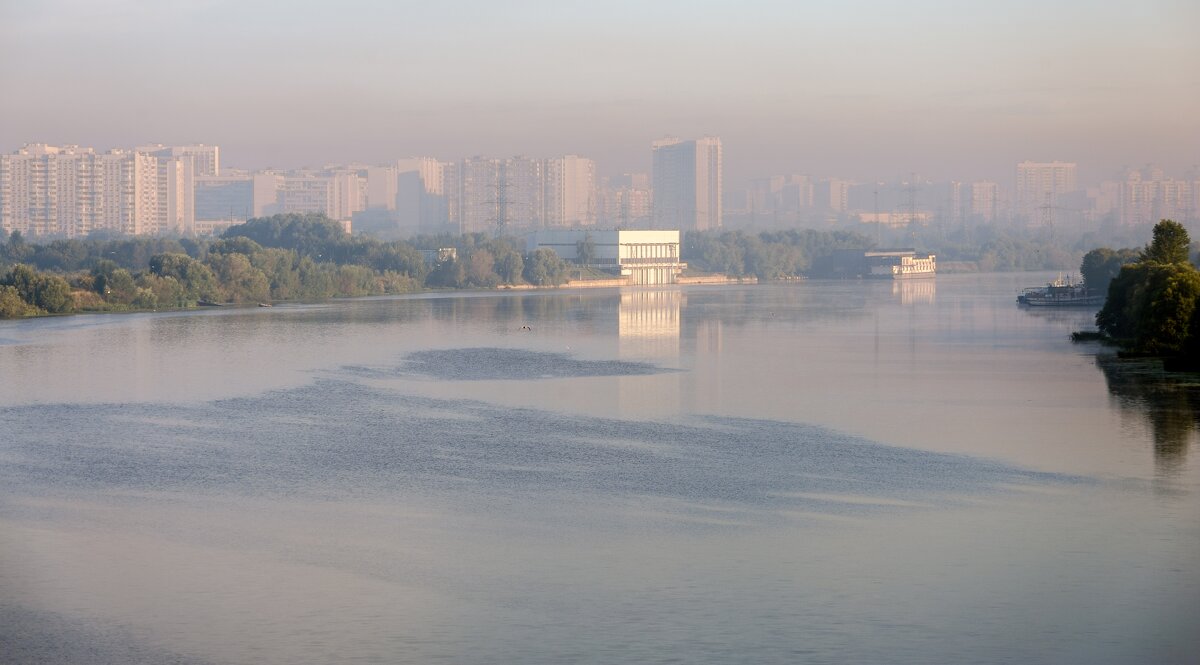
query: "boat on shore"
1062, 292
899, 264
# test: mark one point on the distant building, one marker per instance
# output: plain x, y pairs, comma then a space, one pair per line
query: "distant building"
72, 191
646, 257
687, 184
626, 201
337, 194
1039, 188
570, 192
206, 159
985, 200
1147, 196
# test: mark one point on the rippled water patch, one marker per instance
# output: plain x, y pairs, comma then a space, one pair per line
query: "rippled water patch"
491, 364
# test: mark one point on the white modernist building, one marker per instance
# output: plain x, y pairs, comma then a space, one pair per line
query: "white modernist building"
645, 257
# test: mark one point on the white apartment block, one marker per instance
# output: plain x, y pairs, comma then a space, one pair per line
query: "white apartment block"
687, 183
72, 191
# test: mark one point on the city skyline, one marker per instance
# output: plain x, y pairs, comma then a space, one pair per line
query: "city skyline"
163, 189
869, 91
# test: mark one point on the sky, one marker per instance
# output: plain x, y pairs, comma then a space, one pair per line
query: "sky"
867, 90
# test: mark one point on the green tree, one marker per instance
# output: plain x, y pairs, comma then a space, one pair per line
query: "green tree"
510, 266
585, 250
545, 268
1151, 304
197, 279
481, 268
1170, 244
12, 306
1100, 266
239, 280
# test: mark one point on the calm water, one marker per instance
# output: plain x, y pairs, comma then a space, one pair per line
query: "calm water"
819, 472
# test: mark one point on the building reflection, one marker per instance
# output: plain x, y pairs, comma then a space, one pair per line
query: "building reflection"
1169, 404
648, 323
914, 291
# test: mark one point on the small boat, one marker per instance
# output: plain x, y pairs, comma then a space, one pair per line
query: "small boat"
265, 304
1061, 293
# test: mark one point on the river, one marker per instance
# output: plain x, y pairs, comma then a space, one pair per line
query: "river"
817, 472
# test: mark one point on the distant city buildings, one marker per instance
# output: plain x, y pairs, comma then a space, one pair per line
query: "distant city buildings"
687, 184
71, 191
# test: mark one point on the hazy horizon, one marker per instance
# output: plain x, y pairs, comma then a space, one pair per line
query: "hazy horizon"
870, 91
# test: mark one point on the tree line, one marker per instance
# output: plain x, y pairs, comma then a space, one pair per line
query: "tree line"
284, 257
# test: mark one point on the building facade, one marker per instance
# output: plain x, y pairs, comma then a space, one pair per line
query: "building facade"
687, 184
1040, 186
72, 191
570, 197
645, 257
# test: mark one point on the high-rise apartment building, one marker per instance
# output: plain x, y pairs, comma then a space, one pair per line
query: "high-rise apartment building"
1145, 196
338, 194
626, 201
570, 192
477, 195
72, 191
985, 200
206, 159
687, 184
522, 194
1039, 188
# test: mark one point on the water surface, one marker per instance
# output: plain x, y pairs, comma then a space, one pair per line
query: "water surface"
816, 472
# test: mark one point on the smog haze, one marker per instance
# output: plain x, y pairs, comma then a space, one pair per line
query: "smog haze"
866, 90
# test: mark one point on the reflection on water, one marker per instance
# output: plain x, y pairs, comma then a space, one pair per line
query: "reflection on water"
648, 325
1169, 402
915, 291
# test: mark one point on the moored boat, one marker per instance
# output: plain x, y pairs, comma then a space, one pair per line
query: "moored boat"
1062, 292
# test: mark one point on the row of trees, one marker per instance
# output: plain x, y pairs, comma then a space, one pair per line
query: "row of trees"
1152, 302
767, 255
286, 257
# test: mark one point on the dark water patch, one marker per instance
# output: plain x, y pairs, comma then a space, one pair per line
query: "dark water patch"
33, 637
337, 439
496, 364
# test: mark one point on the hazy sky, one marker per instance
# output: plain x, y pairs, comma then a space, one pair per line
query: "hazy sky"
869, 90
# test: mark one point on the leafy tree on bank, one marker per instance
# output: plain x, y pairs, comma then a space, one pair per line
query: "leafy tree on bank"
545, 268
1101, 265
48, 293
767, 255
1169, 246
12, 305
1152, 304
196, 278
